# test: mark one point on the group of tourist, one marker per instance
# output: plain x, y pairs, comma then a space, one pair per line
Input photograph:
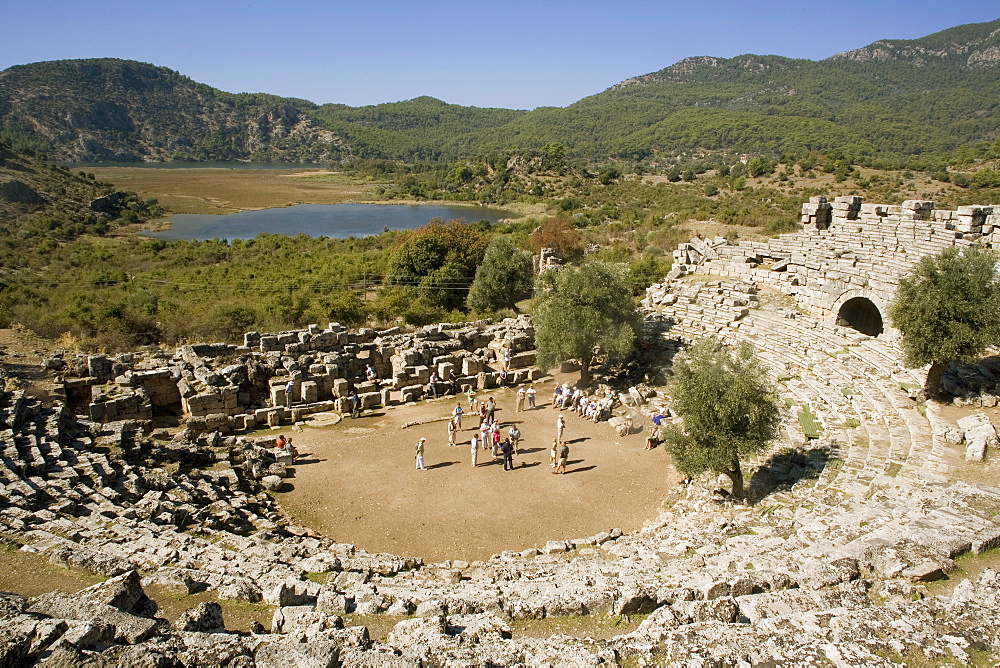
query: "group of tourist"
283, 446
524, 393
594, 408
488, 437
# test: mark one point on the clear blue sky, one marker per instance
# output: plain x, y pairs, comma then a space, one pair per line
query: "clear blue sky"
487, 53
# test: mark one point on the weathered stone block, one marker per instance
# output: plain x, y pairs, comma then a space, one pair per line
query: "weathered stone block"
310, 391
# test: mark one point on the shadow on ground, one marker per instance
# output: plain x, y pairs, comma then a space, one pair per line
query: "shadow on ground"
784, 469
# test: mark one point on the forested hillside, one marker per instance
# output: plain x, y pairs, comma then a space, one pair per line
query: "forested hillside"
42, 204
117, 110
893, 103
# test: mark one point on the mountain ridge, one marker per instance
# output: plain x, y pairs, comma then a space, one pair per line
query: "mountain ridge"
889, 100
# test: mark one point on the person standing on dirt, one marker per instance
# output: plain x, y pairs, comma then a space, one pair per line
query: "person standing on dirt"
452, 430
354, 401
456, 416
290, 392
508, 455
491, 409
530, 393
563, 456
484, 435
474, 450
419, 454
495, 438
514, 435
560, 428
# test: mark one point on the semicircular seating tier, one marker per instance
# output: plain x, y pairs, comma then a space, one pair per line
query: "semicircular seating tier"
853, 512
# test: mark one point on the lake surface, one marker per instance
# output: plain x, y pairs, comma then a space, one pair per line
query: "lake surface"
337, 221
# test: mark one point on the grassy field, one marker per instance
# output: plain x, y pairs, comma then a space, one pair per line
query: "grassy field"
220, 191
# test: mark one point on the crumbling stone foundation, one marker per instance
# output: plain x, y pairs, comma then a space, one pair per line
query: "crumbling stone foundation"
275, 378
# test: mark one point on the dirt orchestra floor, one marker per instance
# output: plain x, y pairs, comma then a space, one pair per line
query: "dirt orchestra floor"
357, 481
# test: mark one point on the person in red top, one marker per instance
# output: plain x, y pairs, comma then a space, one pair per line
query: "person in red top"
285, 445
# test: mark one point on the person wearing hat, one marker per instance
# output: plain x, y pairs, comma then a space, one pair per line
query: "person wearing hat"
419, 456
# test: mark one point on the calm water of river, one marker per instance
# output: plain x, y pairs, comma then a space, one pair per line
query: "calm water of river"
337, 221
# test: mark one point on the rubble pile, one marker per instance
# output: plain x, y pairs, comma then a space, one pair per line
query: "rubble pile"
276, 379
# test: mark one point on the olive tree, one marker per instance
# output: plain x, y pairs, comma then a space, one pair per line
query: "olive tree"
581, 312
728, 409
503, 279
948, 309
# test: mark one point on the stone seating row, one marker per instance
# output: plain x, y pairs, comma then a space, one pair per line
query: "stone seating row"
766, 344
902, 427
869, 365
683, 563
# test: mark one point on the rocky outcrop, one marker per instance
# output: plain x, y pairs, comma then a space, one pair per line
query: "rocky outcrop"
15, 191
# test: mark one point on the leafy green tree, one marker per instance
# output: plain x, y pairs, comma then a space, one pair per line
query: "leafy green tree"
459, 173
609, 175
948, 309
503, 279
987, 177
582, 312
439, 259
570, 204
755, 167
231, 322
344, 307
728, 407
556, 153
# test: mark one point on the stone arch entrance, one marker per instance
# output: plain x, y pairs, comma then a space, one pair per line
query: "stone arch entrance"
860, 313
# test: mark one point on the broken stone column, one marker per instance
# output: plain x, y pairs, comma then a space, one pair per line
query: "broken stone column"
845, 208
816, 214
917, 209
310, 392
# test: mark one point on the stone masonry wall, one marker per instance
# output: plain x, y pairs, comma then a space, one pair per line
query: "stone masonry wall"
847, 249
228, 387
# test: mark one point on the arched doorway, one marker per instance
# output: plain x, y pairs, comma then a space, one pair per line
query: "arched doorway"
861, 314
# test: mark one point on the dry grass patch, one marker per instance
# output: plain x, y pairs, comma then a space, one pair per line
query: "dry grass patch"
221, 191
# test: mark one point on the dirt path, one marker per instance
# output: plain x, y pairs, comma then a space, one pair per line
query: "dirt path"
360, 485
